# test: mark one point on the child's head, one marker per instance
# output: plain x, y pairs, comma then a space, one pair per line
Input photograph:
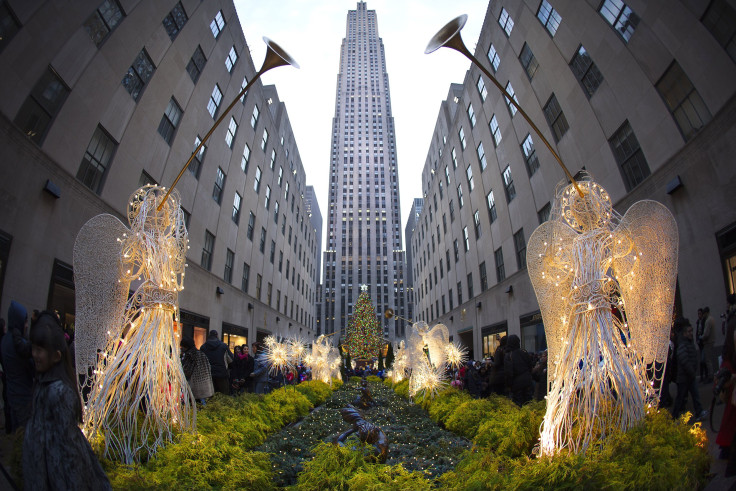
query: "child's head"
49, 346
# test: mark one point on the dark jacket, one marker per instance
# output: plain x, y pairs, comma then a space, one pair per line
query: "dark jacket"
687, 360
17, 364
215, 350
56, 455
518, 371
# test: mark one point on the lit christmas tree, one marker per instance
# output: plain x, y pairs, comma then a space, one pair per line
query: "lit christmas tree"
364, 336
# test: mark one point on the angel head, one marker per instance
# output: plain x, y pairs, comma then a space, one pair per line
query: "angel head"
589, 211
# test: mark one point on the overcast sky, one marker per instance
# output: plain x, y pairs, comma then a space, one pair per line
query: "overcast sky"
311, 31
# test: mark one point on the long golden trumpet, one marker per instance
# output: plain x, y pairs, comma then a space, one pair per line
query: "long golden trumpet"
275, 57
449, 36
390, 313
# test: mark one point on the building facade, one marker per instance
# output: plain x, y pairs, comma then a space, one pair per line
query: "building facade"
311, 206
411, 224
101, 97
364, 234
638, 94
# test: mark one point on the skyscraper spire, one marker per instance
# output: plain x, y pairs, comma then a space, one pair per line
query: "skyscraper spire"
364, 234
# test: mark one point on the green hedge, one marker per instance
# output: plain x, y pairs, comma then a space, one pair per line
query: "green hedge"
219, 455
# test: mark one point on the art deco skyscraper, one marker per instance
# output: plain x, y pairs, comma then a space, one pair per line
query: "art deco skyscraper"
364, 237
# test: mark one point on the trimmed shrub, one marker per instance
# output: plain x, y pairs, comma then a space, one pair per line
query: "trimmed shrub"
445, 403
374, 378
511, 431
467, 417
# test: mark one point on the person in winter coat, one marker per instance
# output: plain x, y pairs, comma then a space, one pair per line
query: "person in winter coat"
197, 370
260, 372
728, 422
56, 455
687, 367
497, 380
216, 351
18, 366
518, 371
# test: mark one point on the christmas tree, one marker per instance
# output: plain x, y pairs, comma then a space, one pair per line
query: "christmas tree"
364, 336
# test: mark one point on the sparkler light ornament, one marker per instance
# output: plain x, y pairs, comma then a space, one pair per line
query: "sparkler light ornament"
129, 351
581, 262
456, 354
278, 356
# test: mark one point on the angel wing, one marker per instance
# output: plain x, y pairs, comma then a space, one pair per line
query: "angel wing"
99, 291
646, 268
547, 255
436, 339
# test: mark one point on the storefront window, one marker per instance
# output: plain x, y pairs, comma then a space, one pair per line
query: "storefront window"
491, 337
195, 326
533, 338
233, 335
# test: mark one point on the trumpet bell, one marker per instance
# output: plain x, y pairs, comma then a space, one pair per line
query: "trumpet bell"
389, 313
276, 56
445, 35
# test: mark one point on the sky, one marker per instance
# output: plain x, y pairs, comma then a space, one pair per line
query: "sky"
311, 31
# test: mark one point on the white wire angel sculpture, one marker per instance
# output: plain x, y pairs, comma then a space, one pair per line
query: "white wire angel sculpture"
129, 352
582, 262
427, 367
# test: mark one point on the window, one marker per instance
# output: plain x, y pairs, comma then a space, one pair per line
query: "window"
196, 64
453, 154
461, 134
508, 184
169, 121
471, 115
460, 194
530, 155
481, 156
459, 293
620, 16
586, 71
281, 261
549, 17
242, 86
495, 130
257, 180
528, 61
466, 239
720, 20
245, 159
246, 277
629, 157
219, 185
683, 101
195, 166
267, 200
146, 179
447, 176
482, 88
175, 20
272, 255
520, 247
251, 225
273, 158
264, 139
470, 285
138, 74
510, 91
483, 277
217, 24
99, 25
281, 175
447, 260
452, 211
229, 259
276, 213
236, 207
96, 160
493, 58
214, 103
500, 271
506, 22
42, 105
469, 174
555, 118
543, 214
231, 59
456, 250
262, 244
209, 247
254, 117
232, 128
491, 202
259, 282
476, 224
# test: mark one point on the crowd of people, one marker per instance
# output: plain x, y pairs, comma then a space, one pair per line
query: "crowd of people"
511, 371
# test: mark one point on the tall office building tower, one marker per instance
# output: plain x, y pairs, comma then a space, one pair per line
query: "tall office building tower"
364, 236
411, 224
